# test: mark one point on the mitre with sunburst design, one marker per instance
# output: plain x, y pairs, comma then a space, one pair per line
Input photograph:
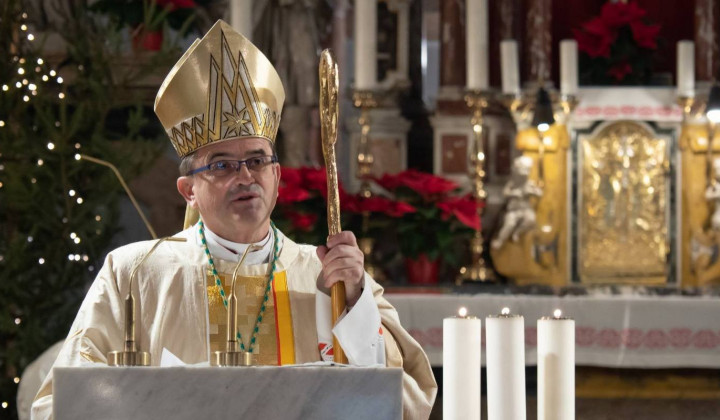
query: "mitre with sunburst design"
222, 88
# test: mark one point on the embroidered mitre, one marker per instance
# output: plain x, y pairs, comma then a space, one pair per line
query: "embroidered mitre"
222, 88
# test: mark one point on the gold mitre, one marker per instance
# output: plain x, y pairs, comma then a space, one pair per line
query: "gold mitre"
222, 88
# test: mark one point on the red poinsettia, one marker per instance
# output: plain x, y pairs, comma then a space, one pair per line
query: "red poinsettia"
375, 204
595, 39
617, 45
302, 221
645, 35
463, 208
292, 194
421, 182
616, 14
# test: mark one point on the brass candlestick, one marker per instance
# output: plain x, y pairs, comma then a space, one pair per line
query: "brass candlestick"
233, 356
366, 100
130, 355
477, 271
522, 107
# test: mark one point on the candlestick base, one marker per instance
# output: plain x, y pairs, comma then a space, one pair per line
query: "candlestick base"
233, 358
128, 358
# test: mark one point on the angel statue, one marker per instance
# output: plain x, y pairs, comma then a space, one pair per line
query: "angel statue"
712, 193
520, 215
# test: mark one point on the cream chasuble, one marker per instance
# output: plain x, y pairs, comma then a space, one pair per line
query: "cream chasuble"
174, 311
274, 343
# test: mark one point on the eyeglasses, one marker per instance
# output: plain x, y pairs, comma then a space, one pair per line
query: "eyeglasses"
223, 168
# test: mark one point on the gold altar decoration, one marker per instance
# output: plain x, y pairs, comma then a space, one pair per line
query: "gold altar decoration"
366, 100
623, 222
329, 111
222, 88
700, 265
541, 256
478, 270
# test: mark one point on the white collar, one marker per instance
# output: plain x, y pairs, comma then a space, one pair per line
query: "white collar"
232, 251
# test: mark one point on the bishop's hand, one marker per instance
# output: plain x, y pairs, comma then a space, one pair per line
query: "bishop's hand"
342, 260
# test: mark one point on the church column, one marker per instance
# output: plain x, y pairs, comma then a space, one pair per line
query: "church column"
339, 46
452, 52
706, 36
539, 40
241, 17
508, 12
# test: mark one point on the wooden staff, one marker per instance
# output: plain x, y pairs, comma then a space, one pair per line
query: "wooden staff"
328, 73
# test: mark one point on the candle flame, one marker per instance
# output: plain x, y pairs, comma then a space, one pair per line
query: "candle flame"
505, 311
557, 313
462, 312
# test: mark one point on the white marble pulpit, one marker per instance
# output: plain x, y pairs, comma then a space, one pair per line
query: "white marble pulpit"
312, 392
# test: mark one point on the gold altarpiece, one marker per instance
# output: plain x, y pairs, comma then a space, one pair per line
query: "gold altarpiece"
622, 202
605, 215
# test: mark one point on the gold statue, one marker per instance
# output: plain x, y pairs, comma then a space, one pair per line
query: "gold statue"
539, 255
520, 216
700, 196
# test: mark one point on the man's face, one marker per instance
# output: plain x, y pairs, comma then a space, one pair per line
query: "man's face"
234, 205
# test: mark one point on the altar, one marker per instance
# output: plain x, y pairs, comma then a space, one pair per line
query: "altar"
618, 331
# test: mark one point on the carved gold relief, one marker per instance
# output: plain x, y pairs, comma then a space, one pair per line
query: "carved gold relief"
700, 242
622, 215
540, 255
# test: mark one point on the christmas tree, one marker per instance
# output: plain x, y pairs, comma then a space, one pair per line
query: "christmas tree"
58, 213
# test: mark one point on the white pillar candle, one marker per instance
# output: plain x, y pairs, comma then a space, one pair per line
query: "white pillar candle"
556, 368
505, 362
461, 368
686, 69
509, 67
476, 30
365, 44
241, 17
568, 67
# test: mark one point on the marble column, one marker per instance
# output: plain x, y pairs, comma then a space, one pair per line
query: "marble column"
706, 36
339, 46
403, 38
241, 17
539, 40
452, 44
508, 18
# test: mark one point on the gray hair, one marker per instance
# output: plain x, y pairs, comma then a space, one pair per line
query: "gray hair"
186, 164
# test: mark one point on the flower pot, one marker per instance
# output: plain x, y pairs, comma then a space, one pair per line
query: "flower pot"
422, 270
144, 40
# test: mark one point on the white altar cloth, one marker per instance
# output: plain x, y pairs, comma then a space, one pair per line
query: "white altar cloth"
611, 331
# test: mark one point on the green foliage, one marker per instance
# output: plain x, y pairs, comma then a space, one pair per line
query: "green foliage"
57, 214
